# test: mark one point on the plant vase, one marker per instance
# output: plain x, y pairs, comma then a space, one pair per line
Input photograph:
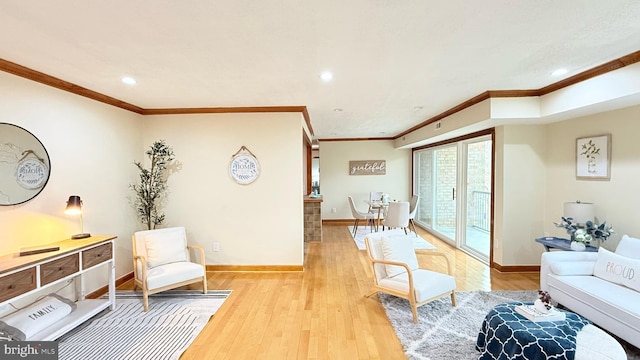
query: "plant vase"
591, 164
578, 246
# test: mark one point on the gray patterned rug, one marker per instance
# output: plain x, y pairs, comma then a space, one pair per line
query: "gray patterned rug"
446, 332
173, 321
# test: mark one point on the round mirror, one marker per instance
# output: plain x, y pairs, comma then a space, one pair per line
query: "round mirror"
24, 165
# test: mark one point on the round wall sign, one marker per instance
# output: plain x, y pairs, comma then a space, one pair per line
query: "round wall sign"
31, 173
244, 168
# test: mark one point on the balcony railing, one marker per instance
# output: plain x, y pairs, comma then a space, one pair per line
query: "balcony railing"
481, 210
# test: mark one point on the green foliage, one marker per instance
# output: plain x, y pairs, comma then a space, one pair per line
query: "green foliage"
151, 190
587, 232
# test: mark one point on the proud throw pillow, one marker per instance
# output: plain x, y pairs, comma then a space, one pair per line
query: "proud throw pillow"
617, 269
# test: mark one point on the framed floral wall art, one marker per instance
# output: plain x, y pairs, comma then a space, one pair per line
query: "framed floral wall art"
593, 157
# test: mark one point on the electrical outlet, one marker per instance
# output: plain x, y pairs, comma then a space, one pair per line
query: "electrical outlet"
334, 210
216, 246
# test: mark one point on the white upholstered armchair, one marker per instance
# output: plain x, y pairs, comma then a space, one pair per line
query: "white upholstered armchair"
396, 271
161, 261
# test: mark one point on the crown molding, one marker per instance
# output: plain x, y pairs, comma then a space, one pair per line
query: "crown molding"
27, 73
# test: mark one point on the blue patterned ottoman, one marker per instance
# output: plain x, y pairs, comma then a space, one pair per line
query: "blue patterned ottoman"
505, 334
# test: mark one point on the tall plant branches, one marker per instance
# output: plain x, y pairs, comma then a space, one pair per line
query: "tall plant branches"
152, 187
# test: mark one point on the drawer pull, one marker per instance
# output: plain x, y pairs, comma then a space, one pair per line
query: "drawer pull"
60, 268
11, 287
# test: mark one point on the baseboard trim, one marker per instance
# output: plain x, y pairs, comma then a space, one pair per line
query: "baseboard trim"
337, 222
516, 268
103, 290
257, 268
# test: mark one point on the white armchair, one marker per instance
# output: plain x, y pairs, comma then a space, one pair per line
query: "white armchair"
161, 261
396, 271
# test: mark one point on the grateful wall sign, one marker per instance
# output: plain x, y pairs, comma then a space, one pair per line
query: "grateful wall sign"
367, 167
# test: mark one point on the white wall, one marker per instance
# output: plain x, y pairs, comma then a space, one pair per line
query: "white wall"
256, 224
91, 146
520, 194
336, 183
614, 199
535, 175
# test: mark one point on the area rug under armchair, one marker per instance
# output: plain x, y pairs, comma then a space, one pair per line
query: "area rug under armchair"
174, 320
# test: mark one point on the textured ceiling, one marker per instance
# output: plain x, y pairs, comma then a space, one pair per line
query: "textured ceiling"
395, 63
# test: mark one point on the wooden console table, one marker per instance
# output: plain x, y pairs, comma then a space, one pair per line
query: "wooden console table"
21, 276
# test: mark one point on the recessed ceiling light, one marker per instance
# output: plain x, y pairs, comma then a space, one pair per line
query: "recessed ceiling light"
337, 110
559, 72
129, 80
417, 107
326, 76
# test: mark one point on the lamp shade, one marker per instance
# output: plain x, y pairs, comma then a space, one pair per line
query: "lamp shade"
74, 205
581, 212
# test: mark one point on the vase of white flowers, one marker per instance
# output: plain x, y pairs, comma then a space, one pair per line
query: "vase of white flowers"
583, 235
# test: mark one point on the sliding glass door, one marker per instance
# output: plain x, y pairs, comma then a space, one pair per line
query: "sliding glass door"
477, 217
454, 184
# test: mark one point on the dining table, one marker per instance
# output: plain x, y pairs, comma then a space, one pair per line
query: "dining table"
380, 206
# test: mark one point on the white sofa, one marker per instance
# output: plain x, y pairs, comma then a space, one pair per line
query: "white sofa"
602, 286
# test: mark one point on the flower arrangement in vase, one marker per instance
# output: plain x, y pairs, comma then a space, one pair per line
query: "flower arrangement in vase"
582, 235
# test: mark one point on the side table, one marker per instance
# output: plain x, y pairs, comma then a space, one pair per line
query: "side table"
559, 243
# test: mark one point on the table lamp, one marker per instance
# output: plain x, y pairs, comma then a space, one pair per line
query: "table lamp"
581, 212
74, 207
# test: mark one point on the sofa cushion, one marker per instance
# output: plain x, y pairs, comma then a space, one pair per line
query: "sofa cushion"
398, 249
617, 269
629, 247
573, 268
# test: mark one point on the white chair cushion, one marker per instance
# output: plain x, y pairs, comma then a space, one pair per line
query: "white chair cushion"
427, 283
172, 273
164, 248
401, 250
629, 247
617, 269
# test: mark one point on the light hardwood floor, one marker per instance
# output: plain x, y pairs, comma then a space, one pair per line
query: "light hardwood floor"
322, 313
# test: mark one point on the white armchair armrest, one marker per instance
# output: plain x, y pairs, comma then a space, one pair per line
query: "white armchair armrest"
565, 262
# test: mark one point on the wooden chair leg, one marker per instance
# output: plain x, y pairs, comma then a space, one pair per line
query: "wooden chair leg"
374, 291
414, 311
413, 225
204, 284
355, 227
453, 298
145, 300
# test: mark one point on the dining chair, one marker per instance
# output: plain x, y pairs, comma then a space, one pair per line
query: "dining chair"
161, 261
358, 215
397, 216
396, 271
413, 209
